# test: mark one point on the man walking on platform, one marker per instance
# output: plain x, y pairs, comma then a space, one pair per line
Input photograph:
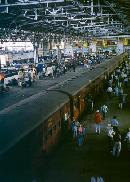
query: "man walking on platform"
98, 120
114, 122
117, 143
104, 110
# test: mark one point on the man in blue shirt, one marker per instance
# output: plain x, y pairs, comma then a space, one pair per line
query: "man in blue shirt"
114, 122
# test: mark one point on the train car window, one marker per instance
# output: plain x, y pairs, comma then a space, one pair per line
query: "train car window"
49, 132
54, 128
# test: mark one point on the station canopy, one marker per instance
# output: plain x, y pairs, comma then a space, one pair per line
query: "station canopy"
35, 19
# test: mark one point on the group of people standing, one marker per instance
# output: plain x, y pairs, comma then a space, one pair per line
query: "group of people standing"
26, 77
79, 132
116, 139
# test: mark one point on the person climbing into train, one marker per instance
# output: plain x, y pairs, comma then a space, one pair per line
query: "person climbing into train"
89, 102
98, 120
66, 120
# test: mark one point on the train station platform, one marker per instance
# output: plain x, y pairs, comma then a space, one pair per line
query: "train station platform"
72, 163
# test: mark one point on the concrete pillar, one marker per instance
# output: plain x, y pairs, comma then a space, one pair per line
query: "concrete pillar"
50, 46
91, 7
35, 12
58, 53
108, 20
35, 53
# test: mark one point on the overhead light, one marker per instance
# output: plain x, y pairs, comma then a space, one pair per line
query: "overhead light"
23, 1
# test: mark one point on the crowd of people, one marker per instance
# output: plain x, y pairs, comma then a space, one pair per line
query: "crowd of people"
116, 139
117, 85
93, 59
118, 82
53, 68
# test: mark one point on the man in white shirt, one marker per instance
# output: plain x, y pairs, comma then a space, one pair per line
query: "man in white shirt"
109, 91
128, 135
127, 139
104, 110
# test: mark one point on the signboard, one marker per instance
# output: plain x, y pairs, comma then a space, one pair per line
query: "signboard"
3, 59
85, 45
68, 51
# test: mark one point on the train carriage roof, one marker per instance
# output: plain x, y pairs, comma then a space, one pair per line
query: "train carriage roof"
19, 120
